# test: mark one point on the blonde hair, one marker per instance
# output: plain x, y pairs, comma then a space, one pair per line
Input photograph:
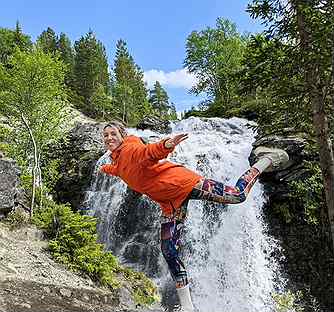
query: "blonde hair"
117, 124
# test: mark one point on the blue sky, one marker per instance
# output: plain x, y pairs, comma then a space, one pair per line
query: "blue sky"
155, 31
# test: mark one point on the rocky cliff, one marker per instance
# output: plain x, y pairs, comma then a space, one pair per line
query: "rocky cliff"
306, 257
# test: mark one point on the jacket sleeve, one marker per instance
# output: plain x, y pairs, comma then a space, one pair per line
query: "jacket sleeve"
108, 169
151, 153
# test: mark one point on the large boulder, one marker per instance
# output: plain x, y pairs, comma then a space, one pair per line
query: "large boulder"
276, 183
78, 158
9, 185
155, 124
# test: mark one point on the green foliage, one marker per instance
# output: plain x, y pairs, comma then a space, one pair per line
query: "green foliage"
284, 210
143, 288
280, 61
309, 192
128, 87
33, 80
50, 173
17, 218
288, 301
160, 102
90, 71
10, 40
73, 242
272, 77
32, 98
47, 41
214, 55
65, 51
32, 88
305, 194
103, 105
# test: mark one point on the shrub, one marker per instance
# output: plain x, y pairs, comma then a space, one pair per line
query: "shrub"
288, 301
17, 218
309, 192
73, 242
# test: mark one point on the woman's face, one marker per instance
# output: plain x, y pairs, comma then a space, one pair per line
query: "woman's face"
112, 138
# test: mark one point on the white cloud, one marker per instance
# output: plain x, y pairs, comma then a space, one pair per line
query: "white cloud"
180, 78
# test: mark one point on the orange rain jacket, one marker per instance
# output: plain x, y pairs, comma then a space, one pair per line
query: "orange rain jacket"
141, 167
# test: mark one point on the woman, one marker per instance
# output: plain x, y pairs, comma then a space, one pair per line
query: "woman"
144, 168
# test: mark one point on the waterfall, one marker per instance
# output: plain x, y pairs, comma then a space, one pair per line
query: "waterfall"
227, 250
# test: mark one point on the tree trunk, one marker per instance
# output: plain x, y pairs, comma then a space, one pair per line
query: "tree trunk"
314, 87
35, 167
124, 112
40, 181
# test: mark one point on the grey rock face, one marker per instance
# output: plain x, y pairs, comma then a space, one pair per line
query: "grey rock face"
155, 124
9, 182
78, 157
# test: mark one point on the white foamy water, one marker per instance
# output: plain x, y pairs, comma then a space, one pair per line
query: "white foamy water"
227, 249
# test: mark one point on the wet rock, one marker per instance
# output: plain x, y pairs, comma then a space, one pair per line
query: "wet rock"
155, 124
78, 158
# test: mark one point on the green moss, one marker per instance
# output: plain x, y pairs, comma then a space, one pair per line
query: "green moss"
283, 209
288, 301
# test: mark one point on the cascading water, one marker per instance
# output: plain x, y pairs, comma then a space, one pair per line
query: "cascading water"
226, 248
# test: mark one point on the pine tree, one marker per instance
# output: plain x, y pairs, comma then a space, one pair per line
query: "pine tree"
21, 40
66, 55
47, 41
64, 47
90, 71
11, 40
172, 111
159, 100
129, 91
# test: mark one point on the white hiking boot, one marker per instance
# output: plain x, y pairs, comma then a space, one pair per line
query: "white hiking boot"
185, 299
278, 157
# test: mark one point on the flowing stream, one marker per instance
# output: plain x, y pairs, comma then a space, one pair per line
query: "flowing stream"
227, 250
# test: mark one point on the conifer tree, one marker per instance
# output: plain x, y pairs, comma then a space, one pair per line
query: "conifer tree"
21, 40
64, 47
90, 71
47, 41
129, 91
172, 111
159, 100
66, 55
11, 40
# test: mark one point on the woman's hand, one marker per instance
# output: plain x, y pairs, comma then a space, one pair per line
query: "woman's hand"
172, 142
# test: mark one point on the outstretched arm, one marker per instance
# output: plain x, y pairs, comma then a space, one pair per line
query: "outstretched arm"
152, 153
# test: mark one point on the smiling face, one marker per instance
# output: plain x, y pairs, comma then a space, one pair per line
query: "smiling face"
112, 138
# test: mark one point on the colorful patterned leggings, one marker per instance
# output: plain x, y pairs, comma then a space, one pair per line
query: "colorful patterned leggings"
209, 190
